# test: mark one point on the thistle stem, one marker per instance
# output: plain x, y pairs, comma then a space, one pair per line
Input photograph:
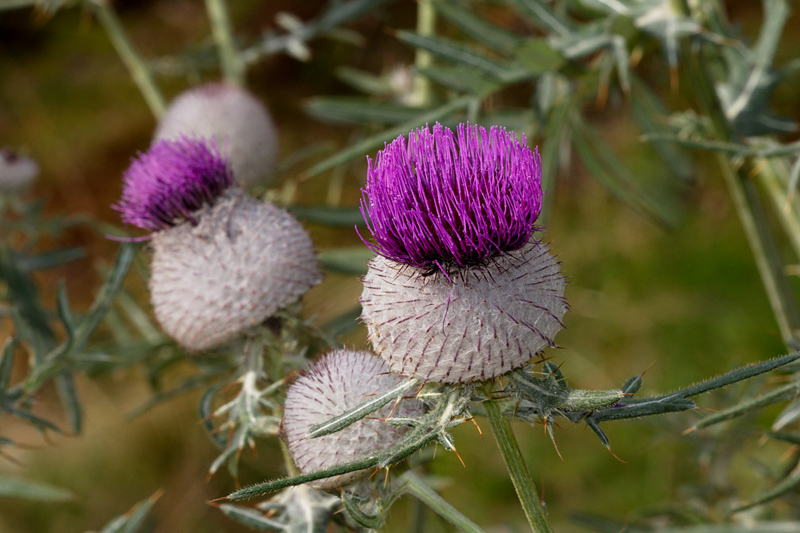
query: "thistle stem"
426, 25
517, 469
136, 66
222, 30
751, 212
414, 484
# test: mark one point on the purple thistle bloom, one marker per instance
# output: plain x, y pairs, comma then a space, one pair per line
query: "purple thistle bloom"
172, 180
449, 199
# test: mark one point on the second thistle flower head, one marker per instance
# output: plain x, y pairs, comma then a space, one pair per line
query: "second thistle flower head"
172, 180
446, 199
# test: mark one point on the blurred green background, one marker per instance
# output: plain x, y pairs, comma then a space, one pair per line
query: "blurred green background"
688, 302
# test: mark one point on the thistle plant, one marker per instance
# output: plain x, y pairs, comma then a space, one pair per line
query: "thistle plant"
471, 148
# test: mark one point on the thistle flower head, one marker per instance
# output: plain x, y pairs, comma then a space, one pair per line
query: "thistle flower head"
17, 172
232, 117
338, 382
445, 199
167, 184
240, 263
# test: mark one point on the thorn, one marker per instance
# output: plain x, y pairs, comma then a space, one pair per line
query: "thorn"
687, 431
459, 458
386, 478
707, 409
615, 455
792, 449
472, 419
646, 369
553, 440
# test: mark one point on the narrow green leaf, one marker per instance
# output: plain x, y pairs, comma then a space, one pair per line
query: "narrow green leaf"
336, 217
31, 490
413, 484
477, 27
103, 301
734, 376
788, 483
360, 411
64, 311
772, 397
648, 407
251, 518
344, 323
50, 259
603, 165
364, 147
39, 423
539, 57
7, 363
134, 520
789, 414
365, 82
340, 12
459, 53
544, 17
459, 78
65, 386
352, 260
356, 110
786, 436
647, 109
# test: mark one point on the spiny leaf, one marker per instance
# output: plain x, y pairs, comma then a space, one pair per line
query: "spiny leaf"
337, 217
360, 411
352, 260
251, 518
459, 53
477, 27
31, 490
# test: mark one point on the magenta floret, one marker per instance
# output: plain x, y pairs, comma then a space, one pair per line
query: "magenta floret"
454, 200
172, 180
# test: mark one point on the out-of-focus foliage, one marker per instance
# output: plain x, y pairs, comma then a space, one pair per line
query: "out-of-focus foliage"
542, 69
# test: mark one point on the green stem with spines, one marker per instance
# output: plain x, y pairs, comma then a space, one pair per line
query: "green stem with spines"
426, 25
231, 65
413, 484
517, 469
139, 71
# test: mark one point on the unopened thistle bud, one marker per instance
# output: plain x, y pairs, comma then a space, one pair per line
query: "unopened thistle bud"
223, 262
336, 383
461, 290
17, 172
233, 117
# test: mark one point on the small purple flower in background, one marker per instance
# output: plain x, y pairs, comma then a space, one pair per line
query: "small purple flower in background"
461, 290
17, 171
223, 262
172, 180
336, 383
235, 119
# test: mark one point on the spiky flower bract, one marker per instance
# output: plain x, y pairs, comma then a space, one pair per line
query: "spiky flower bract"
17, 171
336, 383
167, 184
460, 291
241, 262
445, 199
235, 119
